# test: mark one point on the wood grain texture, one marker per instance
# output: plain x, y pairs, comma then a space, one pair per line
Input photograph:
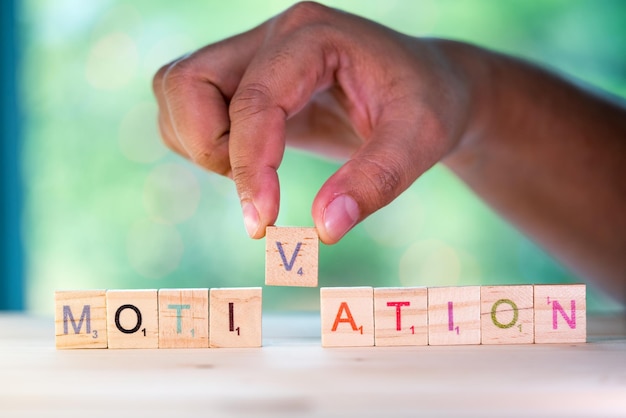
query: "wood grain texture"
133, 318
183, 318
291, 256
235, 317
506, 314
560, 313
454, 315
80, 319
347, 316
293, 376
400, 316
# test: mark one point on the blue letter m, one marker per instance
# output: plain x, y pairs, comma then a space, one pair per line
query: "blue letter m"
86, 315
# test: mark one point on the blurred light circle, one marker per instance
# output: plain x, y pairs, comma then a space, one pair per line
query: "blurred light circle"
112, 62
429, 263
171, 193
138, 135
154, 250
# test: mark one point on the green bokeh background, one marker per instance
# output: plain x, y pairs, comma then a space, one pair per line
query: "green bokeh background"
108, 206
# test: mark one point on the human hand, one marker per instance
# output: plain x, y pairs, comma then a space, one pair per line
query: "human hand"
322, 80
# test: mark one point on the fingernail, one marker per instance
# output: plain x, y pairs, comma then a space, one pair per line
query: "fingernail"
250, 218
340, 215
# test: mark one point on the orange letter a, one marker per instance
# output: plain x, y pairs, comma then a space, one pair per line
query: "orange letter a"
344, 307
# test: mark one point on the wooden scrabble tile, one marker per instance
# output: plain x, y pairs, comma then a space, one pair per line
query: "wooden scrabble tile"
560, 314
454, 315
133, 318
506, 315
347, 316
183, 318
80, 319
291, 256
235, 317
400, 316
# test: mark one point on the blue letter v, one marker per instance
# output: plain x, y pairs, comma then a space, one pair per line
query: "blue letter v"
288, 265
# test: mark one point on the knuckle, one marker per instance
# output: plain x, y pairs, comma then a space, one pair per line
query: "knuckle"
168, 72
243, 176
384, 179
178, 75
249, 101
302, 13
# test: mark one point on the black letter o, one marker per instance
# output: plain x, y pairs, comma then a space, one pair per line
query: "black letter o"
117, 319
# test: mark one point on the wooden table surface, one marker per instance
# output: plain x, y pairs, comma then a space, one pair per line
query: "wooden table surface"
293, 376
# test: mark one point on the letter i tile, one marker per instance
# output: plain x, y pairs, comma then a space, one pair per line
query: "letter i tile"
291, 256
454, 315
506, 314
347, 316
400, 316
183, 318
560, 313
235, 318
80, 319
133, 318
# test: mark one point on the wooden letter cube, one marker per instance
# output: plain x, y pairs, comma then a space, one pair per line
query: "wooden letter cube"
454, 315
560, 314
133, 318
291, 256
506, 314
400, 316
347, 316
80, 319
235, 318
183, 318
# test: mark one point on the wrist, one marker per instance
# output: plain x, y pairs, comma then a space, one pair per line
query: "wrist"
477, 70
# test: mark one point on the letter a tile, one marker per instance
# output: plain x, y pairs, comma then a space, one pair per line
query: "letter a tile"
347, 316
80, 319
291, 256
506, 314
235, 318
183, 318
400, 316
560, 314
133, 318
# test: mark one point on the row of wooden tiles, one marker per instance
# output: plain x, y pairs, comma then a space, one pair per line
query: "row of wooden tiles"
350, 316
165, 318
523, 314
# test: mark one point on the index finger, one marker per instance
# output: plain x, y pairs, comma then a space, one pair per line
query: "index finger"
277, 84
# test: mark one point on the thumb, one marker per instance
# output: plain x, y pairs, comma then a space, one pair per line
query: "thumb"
385, 166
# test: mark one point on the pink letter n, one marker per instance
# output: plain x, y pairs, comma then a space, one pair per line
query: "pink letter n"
571, 320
